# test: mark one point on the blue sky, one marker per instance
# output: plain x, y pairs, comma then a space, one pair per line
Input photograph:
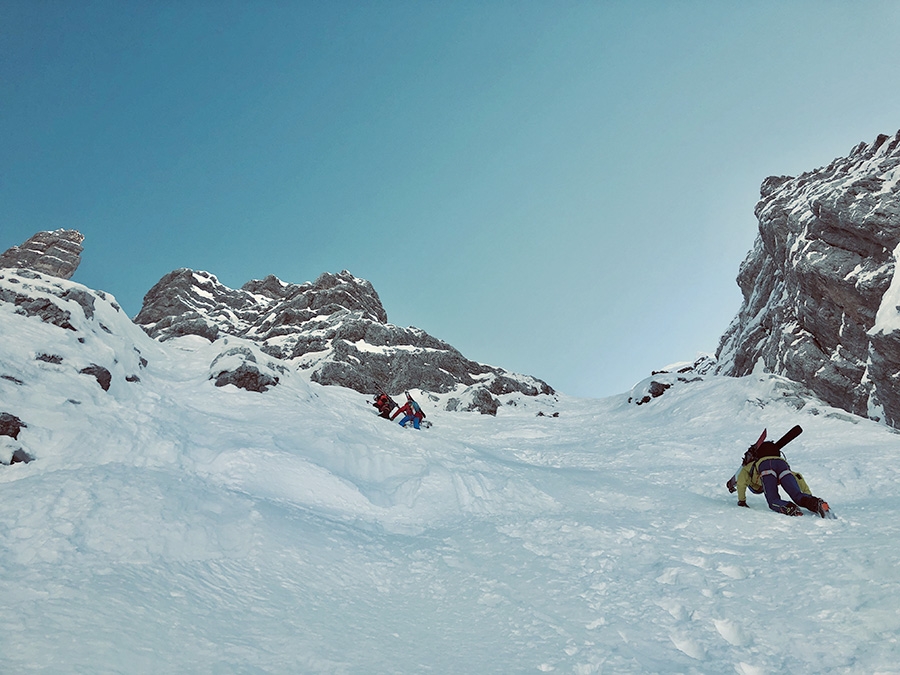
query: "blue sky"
563, 189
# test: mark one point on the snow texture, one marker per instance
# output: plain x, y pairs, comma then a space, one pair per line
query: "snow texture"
168, 525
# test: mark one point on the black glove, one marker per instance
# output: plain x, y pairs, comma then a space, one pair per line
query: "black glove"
731, 485
743, 503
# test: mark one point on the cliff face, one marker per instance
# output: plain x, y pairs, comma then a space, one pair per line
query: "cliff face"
821, 305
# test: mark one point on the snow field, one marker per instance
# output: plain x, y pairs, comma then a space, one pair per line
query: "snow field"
171, 526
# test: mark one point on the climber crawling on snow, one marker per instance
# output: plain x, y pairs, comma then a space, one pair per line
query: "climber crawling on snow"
412, 412
764, 468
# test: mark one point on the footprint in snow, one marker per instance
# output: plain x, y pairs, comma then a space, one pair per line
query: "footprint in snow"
733, 571
731, 632
688, 646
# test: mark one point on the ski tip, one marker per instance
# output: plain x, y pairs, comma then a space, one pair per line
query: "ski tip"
761, 438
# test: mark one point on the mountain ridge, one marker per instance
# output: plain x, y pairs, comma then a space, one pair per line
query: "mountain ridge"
335, 329
821, 307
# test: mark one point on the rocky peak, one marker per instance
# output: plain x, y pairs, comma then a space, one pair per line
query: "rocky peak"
57, 253
328, 294
335, 328
820, 301
187, 302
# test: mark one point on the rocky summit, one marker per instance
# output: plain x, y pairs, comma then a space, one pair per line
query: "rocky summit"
335, 329
56, 253
821, 295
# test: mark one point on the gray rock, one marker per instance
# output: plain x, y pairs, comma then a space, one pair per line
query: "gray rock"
246, 376
83, 298
102, 375
483, 402
816, 279
10, 425
40, 307
20, 456
12, 452
56, 253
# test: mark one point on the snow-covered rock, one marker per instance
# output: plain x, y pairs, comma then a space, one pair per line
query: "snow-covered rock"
245, 367
821, 298
66, 328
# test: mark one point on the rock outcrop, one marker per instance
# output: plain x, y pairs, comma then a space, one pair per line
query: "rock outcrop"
56, 253
11, 451
244, 369
821, 293
10, 425
334, 328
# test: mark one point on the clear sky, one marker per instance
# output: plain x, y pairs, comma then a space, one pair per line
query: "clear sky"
564, 189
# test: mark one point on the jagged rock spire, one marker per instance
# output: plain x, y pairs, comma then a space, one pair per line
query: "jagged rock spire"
56, 253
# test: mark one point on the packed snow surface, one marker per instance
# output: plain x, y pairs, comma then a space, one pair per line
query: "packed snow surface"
170, 526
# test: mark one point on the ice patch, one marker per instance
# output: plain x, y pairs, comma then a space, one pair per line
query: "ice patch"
887, 319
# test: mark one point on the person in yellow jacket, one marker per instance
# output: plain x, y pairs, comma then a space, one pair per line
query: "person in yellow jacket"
763, 471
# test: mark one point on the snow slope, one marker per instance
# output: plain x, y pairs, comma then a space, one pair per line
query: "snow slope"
168, 525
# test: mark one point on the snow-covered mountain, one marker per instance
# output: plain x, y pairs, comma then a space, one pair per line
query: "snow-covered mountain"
821, 289
186, 495
335, 329
166, 524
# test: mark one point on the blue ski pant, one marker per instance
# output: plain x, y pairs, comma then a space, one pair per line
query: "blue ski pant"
407, 418
776, 471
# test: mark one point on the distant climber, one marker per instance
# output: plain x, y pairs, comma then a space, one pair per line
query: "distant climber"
764, 468
384, 404
412, 412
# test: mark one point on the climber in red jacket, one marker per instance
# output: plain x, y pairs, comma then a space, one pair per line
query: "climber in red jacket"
412, 412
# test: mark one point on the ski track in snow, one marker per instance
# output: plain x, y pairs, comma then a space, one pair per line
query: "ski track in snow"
171, 526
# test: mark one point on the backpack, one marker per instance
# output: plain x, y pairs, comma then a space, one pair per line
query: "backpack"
758, 451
